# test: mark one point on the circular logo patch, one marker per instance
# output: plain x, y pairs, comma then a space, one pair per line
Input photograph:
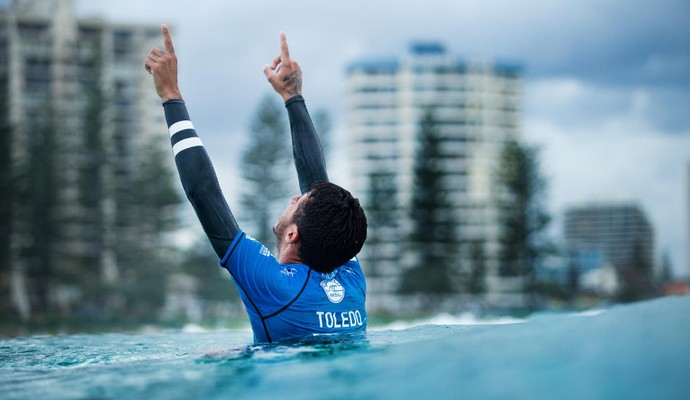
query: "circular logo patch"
334, 290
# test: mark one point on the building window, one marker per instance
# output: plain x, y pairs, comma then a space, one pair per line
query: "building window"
123, 44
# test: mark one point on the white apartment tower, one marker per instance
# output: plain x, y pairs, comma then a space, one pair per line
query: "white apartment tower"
51, 62
477, 106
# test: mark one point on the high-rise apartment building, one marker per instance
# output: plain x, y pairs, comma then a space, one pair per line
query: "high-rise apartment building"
620, 232
83, 80
477, 107
48, 52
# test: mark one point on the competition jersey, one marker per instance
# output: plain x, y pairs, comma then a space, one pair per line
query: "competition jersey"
292, 301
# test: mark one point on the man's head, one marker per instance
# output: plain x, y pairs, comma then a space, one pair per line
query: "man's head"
328, 224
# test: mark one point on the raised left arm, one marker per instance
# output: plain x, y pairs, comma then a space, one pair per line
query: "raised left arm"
285, 75
306, 147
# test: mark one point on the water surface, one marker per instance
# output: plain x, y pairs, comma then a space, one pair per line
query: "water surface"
639, 351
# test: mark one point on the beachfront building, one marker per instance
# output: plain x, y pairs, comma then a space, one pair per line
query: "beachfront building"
623, 236
76, 96
477, 106
619, 231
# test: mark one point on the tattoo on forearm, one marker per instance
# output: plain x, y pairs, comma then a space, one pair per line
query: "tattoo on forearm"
292, 83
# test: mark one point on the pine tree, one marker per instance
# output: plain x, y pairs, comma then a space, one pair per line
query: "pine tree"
382, 209
666, 272
152, 211
523, 217
433, 239
214, 283
573, 282
638, 282
266, 169
93, 162
7, 198
476, 284
41, 198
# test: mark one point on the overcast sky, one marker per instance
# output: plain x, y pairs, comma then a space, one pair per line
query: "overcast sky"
606, 83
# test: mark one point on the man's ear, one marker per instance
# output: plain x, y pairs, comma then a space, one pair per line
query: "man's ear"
291, 234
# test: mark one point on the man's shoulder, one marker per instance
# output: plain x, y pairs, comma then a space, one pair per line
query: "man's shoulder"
247, 250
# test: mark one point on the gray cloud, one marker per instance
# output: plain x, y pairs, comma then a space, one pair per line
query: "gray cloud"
615, 43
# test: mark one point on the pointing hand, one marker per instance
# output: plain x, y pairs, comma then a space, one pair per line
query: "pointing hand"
284, 73
163, 66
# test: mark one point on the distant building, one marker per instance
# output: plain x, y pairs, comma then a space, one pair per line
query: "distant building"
620, 232
477, 105
52, 63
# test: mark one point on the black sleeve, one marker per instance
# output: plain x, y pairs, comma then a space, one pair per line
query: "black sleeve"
306, 147
199, 179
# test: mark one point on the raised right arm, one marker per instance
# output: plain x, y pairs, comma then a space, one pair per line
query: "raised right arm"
193, 164
199, 178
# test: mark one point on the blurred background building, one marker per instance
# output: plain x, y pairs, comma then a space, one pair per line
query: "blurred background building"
621, 237
81, 110
620, 232
477, 108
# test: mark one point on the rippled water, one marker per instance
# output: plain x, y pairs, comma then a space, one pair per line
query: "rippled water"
640, 351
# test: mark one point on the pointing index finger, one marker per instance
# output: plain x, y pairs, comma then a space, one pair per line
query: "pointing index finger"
167, 41
283, 46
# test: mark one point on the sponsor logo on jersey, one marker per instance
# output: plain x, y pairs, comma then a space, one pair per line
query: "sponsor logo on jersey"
334, 290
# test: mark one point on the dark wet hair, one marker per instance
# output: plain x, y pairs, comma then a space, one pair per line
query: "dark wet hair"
332, 227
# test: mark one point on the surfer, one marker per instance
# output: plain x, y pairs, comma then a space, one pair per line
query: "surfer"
314, 285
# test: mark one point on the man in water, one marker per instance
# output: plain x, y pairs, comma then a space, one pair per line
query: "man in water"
316, 285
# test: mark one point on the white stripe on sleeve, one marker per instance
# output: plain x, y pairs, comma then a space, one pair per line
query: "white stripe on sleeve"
186, 144
180, 126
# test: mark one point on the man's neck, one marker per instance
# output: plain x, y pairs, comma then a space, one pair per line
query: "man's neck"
289, 255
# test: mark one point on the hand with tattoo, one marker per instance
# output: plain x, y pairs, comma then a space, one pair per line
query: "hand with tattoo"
284, 73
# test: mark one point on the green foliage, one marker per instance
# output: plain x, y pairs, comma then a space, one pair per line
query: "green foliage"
638, 282
523, 217
156, 197
41, 201
93, 164
266, 168
215, 283
382, 219
642, 261
7, 196
573, 283
666, 273
433, 239
476, 284
146, 215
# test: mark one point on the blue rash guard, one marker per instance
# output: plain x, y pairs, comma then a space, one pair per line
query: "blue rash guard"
292, 301
284, 302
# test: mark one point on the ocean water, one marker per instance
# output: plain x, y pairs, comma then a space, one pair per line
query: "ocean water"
637, 351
